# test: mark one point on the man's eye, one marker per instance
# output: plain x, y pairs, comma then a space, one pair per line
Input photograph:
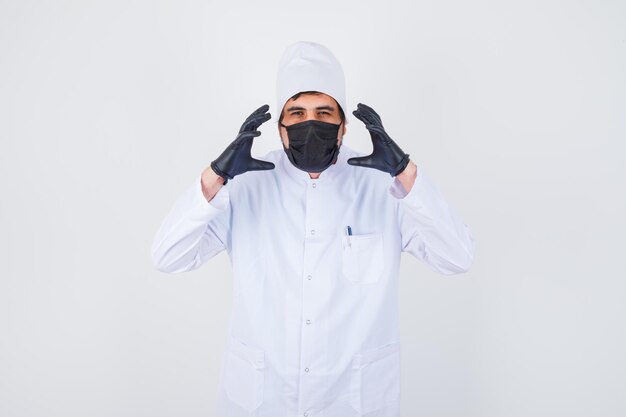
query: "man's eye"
325, 112
296, 112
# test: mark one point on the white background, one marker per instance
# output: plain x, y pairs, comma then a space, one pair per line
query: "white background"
515, 109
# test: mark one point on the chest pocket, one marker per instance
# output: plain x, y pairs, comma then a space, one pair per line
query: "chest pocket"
363, 259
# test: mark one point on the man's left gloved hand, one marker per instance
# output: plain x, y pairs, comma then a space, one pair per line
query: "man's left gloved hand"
387, 155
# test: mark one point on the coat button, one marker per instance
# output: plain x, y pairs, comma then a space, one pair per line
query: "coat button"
306, 413
308, 322
314, 185
309, 277
306, 369
312, 231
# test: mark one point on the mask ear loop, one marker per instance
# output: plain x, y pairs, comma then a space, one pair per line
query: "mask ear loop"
281, 139
339, 146
338, 129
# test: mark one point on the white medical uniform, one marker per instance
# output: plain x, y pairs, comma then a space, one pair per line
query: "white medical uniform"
314, 323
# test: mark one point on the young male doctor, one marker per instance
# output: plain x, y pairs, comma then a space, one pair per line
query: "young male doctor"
314, 232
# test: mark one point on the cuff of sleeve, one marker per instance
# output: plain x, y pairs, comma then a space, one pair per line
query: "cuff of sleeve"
219, 201
396, 189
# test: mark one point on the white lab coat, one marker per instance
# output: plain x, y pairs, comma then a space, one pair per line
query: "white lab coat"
314, 322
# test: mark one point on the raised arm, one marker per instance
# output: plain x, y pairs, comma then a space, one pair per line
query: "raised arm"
431, 230
196, 228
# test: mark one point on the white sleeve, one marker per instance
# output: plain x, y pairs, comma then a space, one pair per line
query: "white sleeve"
194, 231
431, 230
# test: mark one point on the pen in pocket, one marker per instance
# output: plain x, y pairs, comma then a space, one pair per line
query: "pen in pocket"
348, 234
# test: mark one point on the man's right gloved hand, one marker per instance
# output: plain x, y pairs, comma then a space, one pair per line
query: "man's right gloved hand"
236, 158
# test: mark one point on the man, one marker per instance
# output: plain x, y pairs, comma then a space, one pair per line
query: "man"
314, 232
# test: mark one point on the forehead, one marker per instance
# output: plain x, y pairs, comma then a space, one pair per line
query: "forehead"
312, 100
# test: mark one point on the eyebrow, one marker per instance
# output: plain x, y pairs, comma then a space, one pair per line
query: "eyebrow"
292, 108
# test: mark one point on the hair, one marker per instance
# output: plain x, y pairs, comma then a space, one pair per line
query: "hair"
295, 97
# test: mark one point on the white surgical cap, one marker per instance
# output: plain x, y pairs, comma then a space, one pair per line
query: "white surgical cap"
309, 66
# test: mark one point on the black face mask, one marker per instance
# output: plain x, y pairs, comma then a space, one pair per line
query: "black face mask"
312, 145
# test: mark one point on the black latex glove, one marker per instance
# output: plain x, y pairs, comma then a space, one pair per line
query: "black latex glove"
236, 158
387, 155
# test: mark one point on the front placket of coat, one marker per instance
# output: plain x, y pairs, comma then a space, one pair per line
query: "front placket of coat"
314, 334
